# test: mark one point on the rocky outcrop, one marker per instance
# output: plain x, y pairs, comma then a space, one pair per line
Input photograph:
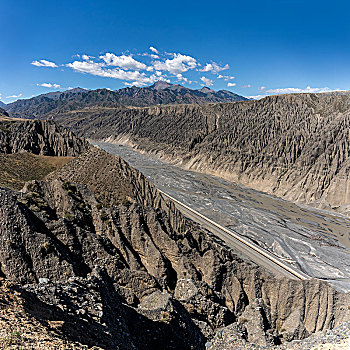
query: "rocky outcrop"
39, 137
293, 146
3, 112
136, 266
110, 178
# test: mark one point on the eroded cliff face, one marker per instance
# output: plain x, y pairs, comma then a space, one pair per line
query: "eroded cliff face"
134, 265
39, 137
294, 146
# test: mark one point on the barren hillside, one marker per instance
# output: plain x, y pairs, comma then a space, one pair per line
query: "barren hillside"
294, 146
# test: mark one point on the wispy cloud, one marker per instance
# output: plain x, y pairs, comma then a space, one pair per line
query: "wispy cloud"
291, 90
44, 63
231, 84
256, 97
153, 49
152, 55
225, 77
14, 96
246, 86
49, 85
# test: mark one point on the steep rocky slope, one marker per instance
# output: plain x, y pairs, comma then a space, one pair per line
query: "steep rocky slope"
39, 137
129, 270
3, 113
294, 146
51, 105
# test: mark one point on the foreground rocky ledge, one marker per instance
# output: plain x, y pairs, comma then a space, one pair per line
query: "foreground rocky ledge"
129, 270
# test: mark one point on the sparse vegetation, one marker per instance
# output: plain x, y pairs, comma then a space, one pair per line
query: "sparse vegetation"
46, 245
17, 169
126, 202
13, 339
165, 317
104, 215
190, 308
69, 216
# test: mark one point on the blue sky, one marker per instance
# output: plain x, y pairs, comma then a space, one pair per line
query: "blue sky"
251, 48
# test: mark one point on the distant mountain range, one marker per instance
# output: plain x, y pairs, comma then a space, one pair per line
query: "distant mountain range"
47, 106
2, 104
164, 93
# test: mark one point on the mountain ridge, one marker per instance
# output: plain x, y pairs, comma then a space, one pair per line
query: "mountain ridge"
48, 106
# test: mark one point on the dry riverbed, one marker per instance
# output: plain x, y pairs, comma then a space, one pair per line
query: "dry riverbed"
314, 241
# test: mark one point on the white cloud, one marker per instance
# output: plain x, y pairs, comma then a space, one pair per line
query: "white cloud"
152, 79
49, 85
180, 77
87, 67
44, 63
123, 61
225, 77
214, 67
153, 49
290, 90
179, 64
14, 96
86, 57
126, 83
149, 55
298, 90
99, 69
256, 97
146, 68
231, 84
206, 81
246, 86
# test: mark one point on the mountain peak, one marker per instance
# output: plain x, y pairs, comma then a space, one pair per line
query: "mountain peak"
206, 90
77, 89
160, 85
